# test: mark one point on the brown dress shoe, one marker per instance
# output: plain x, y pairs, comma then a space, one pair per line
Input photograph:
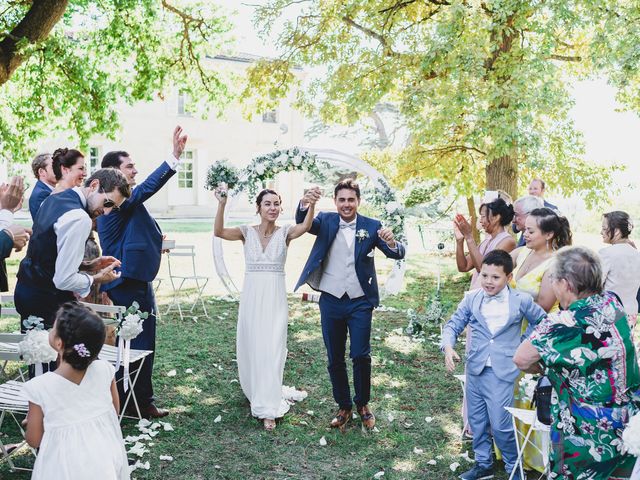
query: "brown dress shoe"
151, 411
367, 417
341, 418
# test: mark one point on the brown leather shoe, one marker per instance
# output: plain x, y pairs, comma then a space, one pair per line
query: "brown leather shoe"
151, 411
367, 417
341, 418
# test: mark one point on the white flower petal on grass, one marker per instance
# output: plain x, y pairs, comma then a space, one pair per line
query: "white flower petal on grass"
323, 442
167, 426
310, 412
167, 458
390, 417
388, 395
454, 466
172, 373
465, 455
218, 419
189, 370
380, 474
235, 380
431, 462
375, 429
439, 457
138, 449
418, 451
302, 422
353, 415
408, 424
139, 465
428, 419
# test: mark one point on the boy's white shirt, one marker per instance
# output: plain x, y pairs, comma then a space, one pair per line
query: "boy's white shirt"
495, 313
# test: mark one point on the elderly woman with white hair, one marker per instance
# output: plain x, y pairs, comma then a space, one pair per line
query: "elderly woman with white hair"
587, 353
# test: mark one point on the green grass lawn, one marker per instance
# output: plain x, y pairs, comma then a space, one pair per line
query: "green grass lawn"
409, 384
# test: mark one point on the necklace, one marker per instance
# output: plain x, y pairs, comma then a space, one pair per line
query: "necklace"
265, 233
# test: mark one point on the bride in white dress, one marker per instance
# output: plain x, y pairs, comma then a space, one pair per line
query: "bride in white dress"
261, 344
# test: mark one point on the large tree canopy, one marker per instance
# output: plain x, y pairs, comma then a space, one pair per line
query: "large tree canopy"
482, 86
68, 64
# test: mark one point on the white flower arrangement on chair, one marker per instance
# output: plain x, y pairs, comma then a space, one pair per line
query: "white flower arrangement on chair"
35, 348
128, 329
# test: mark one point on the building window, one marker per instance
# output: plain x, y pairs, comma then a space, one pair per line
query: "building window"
185, 170
183, 101
94, 156
270, 117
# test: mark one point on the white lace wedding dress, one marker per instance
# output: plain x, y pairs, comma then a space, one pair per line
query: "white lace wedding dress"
261, 344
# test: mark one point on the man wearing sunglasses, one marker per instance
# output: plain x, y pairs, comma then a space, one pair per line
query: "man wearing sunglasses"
132, 235
52, 271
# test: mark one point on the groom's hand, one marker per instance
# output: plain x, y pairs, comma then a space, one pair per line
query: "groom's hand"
387, 237
310, 197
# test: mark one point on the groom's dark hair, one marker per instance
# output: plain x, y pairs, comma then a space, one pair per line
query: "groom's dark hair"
347, 184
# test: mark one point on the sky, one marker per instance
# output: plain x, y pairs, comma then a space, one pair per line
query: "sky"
610, 135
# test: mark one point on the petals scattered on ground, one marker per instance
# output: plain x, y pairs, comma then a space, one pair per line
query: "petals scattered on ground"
428, 419
454, 466
172, 373
218, 419
418, 451
167, 458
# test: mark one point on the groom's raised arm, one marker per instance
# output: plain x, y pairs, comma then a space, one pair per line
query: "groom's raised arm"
301, 214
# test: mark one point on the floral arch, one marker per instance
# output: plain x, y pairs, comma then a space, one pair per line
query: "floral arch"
265, 167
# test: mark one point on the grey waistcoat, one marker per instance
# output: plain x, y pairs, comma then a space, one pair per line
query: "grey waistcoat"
339, 273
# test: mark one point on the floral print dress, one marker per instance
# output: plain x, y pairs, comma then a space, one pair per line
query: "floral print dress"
591, 362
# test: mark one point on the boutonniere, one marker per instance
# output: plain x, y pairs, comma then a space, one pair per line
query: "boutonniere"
362, 234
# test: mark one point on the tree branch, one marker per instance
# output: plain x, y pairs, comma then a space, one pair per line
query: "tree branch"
34, 27
380, 38
567, 58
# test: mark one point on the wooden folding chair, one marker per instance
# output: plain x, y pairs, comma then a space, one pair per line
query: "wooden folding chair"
178, 281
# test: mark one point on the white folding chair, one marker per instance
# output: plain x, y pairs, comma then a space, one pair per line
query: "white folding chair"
109, 353
465, 427
13, 404
178, 281
529, 417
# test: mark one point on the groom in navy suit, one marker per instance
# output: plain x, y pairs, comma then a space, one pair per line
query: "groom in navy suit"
133, 236
341, 266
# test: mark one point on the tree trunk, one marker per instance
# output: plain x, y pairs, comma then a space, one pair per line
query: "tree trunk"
473, 219
34, 27
502, 174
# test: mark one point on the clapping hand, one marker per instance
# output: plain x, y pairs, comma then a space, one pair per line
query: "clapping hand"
179, 141
450, 358
387, 236
11, 195
20, 236
457, 233
463, 225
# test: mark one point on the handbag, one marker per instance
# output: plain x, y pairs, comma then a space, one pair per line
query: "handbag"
542, 400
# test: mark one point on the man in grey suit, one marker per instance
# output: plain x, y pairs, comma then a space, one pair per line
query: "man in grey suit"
495, 314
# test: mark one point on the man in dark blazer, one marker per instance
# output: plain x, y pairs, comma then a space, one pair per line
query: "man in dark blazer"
42, 170
341, 266
132, 235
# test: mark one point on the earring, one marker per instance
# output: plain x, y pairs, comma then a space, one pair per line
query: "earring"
548, 245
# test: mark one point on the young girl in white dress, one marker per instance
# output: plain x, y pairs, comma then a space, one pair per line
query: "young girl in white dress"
261, 343
73, 411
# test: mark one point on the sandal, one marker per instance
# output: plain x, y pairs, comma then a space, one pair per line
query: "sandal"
269, 424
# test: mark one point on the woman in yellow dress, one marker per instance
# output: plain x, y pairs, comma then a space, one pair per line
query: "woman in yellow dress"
545, 232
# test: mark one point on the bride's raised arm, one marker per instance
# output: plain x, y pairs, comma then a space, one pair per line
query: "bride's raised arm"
302, 228
219, 230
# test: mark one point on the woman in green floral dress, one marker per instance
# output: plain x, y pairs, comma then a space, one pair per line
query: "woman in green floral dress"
587, 352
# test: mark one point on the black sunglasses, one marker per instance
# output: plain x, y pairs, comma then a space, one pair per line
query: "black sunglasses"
108, 203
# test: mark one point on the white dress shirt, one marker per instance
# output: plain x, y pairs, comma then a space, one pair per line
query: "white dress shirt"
495, 310
72, 230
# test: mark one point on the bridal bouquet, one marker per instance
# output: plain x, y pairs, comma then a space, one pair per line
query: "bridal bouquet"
128, 329
35, 348
219, 173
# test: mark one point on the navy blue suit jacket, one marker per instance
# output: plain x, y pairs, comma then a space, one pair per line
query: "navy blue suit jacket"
131, 235
40, 192
326, 226
6, 245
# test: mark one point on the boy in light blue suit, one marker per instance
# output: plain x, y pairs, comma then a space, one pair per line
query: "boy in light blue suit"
495, 314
